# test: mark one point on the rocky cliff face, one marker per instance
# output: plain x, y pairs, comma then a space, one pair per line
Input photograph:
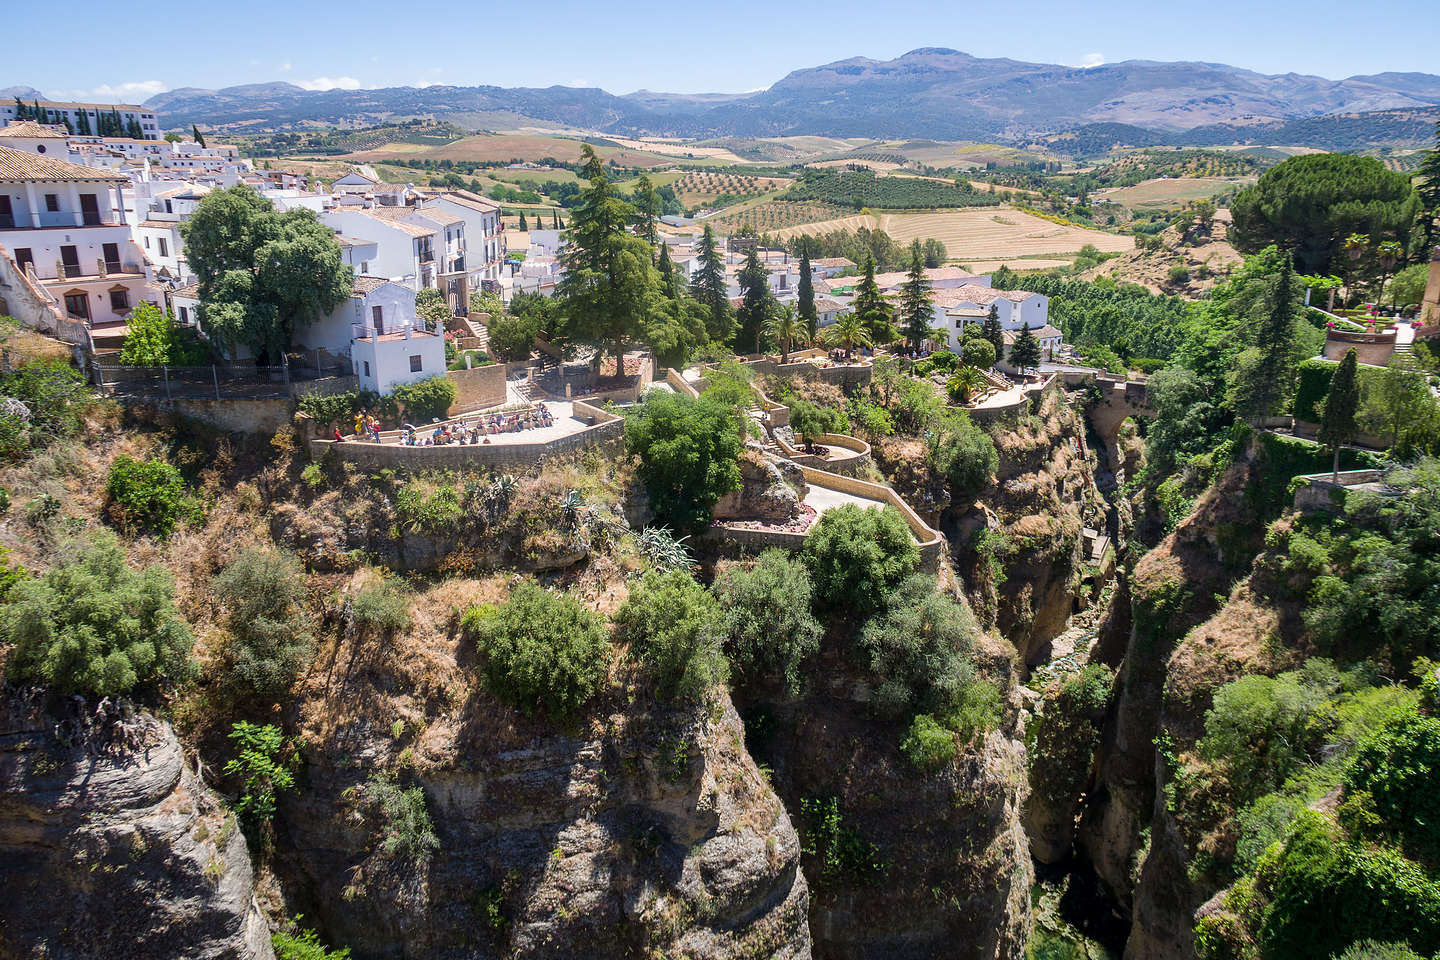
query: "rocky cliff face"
637, 829
110, 846
903, 863
1044, 494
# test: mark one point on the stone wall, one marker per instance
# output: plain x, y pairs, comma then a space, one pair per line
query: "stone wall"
478, 387
606, 433
1375, 349
929, 539
262, 416
856, 461
1321, 494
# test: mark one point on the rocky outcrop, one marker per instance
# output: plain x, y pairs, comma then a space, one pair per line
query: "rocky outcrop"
764, 494
643, 831
110, 846
925, 864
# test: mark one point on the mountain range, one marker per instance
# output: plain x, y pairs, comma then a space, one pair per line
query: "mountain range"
931, 93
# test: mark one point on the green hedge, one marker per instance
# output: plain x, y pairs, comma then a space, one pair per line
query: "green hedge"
1314, 385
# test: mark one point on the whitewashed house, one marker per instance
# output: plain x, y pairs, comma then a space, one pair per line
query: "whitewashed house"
484, 239
65, 224
404, 251
354, 182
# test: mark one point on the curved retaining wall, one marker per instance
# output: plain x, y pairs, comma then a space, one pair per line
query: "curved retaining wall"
931, 543
606, 432
857, 450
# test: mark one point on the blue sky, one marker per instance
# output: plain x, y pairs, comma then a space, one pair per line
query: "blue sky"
673, 46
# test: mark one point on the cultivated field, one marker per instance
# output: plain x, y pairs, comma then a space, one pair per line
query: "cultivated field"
680, 150
502, 148
1171, 191
977, 235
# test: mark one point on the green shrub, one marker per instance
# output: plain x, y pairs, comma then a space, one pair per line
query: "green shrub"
928, 744
1399, 768
963, 454
767, 621
809, 421
295, 943
857, 557
919, 649
262, 772
672, 625
1373, 950
406, 830
53, 393
1179, 273
979, 354
382, 608
92, 625
1327, 893
513, 338
689, 452
429, 399
429, 510
154, 338
839, 852
1263, 727
148, 495
540, 649
270, 633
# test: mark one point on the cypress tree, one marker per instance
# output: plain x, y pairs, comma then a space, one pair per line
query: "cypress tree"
522, 221
805, 292
915, 307
755, 311
22, 112
39, 113
555, 219
84, 123
1337, 422
872, 308
1025, 352
196, 131
709, 287
993, 331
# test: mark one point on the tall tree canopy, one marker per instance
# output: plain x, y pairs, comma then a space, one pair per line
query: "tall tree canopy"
262, 273
872, 308
805, 291
756, 309
1309, 204
710, 288
915, 310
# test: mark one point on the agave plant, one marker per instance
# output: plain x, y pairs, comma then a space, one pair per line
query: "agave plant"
574, 503
664, 549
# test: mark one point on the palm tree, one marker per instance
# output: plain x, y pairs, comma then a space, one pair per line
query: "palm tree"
1388, 254
964, 383
786, 327
848, 332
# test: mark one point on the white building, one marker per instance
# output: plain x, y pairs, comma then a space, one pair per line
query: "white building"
484, 239
388, 345
65, 224
402, 248
971, 303
31, 137
354, 182
61, 111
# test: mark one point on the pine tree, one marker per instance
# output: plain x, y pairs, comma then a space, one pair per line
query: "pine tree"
610, 291
915, 310
196, 131
1337, 422
1427, 185
22, 112
872, 308
993, 331
669, 277
1025, 351
805, 292
756, 309
647, 209
710, 288
1264, 373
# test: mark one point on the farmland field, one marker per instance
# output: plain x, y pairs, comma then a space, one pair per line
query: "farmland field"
502, 148
984, 234
1171, 191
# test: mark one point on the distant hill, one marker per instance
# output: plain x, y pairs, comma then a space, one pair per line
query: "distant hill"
932, 93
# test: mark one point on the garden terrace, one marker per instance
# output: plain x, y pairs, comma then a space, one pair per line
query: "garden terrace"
577, 426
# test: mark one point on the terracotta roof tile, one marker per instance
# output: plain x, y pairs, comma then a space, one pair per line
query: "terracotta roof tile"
29, 128
18, 165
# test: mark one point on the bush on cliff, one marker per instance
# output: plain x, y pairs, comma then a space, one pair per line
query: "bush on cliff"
540, 649
767, 621
672, 625
857, 557
93, 625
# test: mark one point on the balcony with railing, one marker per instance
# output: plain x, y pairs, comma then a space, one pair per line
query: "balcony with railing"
103, 269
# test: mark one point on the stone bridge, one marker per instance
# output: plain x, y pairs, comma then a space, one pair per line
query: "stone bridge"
1119, 400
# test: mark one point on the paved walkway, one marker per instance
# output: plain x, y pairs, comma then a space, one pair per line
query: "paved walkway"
823, 498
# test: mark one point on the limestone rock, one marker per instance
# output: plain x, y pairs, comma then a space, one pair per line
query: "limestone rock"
763, 495
110, 846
